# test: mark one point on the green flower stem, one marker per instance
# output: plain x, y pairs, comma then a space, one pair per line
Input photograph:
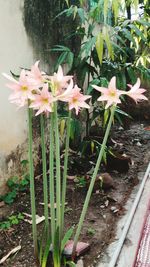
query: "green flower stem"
32, 187
58, 176
51, 178
64, 183
45, 190
88, 196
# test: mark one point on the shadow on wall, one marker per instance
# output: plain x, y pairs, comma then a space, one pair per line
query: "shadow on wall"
44, 30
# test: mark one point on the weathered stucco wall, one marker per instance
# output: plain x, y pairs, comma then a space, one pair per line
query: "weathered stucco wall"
27, 32
15, 52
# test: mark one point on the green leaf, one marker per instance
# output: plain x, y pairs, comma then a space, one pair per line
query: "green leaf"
71, 263
70, 59
20, 216
105, 9
9, 197
67, 2
12, 181
56, 250
138, 32
109, 45
132, 74
129, 36
115, 7
88, 46
24, 162
118, 110
119, 48
62, 59
106, 116
60, 48
100, 46
67, 236
46, 252
81, 14
136, 3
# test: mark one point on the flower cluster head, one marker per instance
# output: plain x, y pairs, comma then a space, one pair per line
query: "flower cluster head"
112, 95
40, 91
136, 93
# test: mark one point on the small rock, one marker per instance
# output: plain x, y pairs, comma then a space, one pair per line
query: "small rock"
138, 144
106, 203
114, 209
80, 263
107, 181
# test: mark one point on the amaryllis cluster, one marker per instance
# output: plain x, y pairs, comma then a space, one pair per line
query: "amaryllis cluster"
112, 95
40, 91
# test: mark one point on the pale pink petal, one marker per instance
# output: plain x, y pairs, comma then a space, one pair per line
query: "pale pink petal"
112, 84
100, 89
10, 78
137, 85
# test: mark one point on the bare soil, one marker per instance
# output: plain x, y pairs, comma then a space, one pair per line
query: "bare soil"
106, 206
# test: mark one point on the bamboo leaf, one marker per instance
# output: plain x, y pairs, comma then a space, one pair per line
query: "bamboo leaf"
136, 3
105, 10
67, 2
88, 46
109, 45
60, 48
129, 36
115, 7
138, 32
75, 12
131, 74
81, 14
70, 59
100, 46
61, 59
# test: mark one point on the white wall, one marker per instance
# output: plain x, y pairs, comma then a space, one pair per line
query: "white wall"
15, 52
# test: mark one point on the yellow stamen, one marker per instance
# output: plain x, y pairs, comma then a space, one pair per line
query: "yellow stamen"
45, 101
24, 88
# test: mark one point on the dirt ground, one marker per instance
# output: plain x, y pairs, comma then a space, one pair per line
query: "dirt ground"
106, 206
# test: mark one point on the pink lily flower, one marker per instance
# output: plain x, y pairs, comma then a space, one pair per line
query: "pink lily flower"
65, 96
136, 93
43, 101
22, 89
110, 94
36, 76
59, 81
74, 98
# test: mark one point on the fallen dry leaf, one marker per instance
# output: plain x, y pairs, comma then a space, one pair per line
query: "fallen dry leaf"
49, 205
13, 251
38, 218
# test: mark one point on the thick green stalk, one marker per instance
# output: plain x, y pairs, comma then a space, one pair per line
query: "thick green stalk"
45, 186
88, 196
58, 176
64, 183
51, 178
32, 187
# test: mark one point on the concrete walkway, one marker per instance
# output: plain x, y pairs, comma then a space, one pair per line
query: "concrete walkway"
129, 250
